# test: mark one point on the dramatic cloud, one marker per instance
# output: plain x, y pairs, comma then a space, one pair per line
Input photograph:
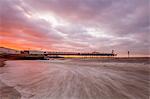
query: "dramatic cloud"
76, 25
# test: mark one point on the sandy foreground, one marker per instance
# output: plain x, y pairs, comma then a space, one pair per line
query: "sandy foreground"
74, 79
7, 92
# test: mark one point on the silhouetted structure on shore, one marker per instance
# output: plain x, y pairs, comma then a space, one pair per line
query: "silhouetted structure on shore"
29, 54
84, 54
68, 54
128, 54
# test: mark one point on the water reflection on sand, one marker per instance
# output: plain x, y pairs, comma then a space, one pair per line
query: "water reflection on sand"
69, 79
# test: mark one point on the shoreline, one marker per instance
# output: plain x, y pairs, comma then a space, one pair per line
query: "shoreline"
2, 62
70, 79
7, 92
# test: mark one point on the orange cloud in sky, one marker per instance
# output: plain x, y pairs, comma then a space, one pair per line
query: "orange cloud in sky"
20, 46
10, 44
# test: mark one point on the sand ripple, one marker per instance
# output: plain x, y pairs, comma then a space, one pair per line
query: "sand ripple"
77, 80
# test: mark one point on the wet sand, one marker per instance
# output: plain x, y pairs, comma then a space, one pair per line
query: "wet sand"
77, 79
7, 92
2, 62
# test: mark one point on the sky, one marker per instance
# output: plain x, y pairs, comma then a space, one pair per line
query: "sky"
76, 25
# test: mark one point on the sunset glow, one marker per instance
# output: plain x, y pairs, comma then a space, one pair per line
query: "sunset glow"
75, 25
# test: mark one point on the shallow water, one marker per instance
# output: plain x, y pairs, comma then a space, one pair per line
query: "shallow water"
71, 79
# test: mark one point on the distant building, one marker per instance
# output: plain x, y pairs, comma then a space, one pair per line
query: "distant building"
4, 50
33, 52
24, 52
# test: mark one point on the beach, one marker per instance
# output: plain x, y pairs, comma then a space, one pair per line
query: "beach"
75, 79
7, 92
